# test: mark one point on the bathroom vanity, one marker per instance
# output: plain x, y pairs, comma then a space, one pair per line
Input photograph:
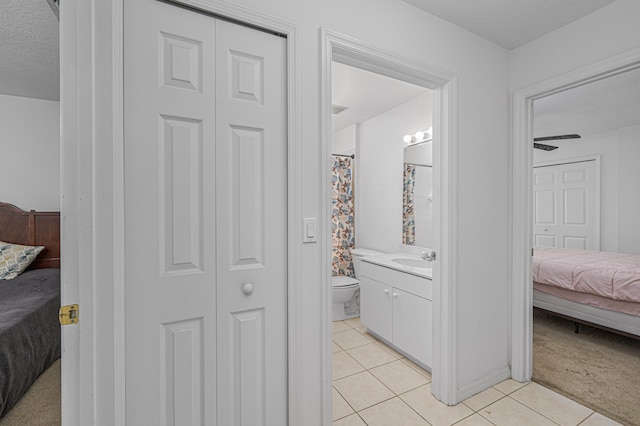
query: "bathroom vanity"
396, 303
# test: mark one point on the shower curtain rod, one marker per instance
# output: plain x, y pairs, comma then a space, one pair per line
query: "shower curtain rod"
342, 155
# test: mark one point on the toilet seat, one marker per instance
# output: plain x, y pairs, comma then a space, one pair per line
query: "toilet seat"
343, 282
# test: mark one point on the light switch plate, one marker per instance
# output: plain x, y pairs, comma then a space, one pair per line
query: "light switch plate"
310, 231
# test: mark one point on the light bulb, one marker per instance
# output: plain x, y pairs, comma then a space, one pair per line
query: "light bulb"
407, 138
420, 135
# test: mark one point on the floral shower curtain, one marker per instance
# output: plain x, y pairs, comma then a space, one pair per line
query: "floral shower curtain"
408, 215
342, 216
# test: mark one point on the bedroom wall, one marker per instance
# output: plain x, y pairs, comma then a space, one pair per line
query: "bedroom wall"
606, 33
629, 196
619, 152
30, 153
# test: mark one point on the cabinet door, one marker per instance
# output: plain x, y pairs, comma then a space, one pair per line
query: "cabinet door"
375, 307
412, 330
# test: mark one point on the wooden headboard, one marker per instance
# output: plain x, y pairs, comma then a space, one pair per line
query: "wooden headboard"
33, 229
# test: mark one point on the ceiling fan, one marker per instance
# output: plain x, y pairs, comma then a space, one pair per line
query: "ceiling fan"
546, 147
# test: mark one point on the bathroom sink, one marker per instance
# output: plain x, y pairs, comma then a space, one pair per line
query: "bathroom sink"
416, 263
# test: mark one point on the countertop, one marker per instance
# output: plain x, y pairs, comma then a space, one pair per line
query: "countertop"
386, 261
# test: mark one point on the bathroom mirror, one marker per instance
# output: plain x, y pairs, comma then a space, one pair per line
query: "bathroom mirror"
417, 195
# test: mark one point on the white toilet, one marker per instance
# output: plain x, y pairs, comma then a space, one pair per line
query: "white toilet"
346, 290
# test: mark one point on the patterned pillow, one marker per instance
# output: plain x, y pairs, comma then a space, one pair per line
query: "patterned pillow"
14, 259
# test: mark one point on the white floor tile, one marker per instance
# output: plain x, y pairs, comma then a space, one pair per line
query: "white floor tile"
392, 412
352, 420
362, 390
509, 386
474, 420
344, 365
434, 411
340, 407
483, 399
350, 339
338, 326
597, 419
399, 377
371, 355
509, 412
556, 407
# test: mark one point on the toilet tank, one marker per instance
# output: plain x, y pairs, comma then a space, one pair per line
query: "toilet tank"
357, 254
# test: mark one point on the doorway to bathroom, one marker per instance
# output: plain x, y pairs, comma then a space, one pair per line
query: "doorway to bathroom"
380, 168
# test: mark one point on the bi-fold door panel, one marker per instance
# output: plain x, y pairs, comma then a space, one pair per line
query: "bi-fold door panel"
205, 220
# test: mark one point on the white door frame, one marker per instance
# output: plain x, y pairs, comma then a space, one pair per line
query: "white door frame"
356, 53
522, 198
92, 205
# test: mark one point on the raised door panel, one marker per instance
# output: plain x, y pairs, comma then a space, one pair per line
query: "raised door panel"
375, 307
170, 271
565, 205
251, 207
205, 149
412, 325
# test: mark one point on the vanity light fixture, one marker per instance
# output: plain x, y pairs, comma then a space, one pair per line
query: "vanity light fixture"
418, 137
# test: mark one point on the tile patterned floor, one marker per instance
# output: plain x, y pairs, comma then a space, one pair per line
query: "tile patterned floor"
373, 385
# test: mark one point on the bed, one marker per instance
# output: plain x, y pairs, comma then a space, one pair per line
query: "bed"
593, 287
29, 327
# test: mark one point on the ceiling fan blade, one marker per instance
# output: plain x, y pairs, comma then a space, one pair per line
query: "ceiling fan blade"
558, 137
544, 147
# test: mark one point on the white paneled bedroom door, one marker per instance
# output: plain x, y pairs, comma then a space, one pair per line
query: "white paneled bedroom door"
205, 150
566, 205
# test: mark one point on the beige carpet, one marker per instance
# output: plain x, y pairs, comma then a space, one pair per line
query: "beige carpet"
40, 406
598, 369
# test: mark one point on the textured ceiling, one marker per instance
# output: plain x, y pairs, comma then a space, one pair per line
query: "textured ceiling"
29, 51
510, 23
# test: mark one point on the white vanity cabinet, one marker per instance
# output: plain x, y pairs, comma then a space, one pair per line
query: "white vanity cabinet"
396, 306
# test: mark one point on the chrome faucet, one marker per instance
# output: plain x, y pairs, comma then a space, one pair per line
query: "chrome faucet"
429, 256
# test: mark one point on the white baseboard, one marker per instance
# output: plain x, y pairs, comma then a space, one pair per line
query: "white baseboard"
483, 383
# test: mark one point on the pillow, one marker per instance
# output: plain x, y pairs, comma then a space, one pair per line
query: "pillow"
14, 259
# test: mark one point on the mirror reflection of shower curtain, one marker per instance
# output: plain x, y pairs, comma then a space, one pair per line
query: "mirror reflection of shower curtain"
342, 216
408, 212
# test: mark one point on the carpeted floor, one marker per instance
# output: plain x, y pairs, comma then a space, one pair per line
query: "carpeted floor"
598, 369
40, 406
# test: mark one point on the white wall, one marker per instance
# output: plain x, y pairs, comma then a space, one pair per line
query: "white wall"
604, 34
480, 137
30, 153
344, 141
482, 125
607, 32
619, 153
628, 194
380, 162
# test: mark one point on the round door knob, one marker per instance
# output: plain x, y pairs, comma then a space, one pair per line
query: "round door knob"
247, 289
386, 291
395, 294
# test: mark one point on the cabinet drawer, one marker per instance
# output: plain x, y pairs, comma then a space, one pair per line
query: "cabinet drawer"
410, 283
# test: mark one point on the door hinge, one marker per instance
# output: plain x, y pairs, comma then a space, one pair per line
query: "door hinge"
69, 314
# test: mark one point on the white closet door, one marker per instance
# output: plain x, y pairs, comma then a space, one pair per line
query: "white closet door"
565, 208
205, 213
251, 201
